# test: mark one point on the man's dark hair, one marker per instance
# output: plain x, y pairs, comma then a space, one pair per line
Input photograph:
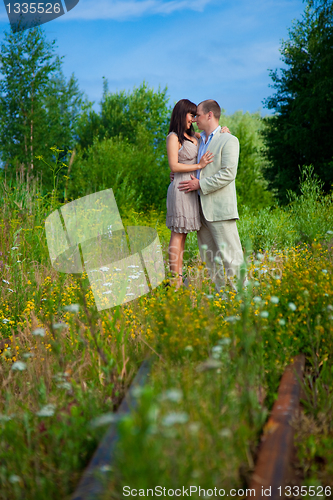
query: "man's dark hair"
210, 105
178, 119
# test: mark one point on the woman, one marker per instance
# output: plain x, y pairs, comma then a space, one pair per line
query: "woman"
182, 209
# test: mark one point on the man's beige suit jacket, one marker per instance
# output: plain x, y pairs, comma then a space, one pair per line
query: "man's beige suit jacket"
217, 179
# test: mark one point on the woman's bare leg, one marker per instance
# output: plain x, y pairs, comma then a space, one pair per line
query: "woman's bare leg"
176, 252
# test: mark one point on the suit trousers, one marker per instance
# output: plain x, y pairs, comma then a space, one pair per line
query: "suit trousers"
224, 254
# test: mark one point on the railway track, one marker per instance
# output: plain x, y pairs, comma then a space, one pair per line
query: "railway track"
275, 450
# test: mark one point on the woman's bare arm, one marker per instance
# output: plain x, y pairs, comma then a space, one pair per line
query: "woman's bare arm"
175, 166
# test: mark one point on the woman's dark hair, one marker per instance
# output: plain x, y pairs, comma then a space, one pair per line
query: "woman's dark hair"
178, 119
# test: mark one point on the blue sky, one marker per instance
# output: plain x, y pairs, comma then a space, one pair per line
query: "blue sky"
199, 49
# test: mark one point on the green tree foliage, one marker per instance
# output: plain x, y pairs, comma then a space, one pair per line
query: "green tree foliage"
250, 184
130, 115
300, 133
38, 107
131, 171
123, 147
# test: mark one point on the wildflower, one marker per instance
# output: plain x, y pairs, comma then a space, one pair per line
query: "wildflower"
64, 385
19, 365
46, 411
173, 418
137, 391
28, 355
275, 300
292, 306
209, 364
282, 322
324, 271
264, 314
5, 320
5, 281
188, 348
104, 269
194, 427
174, 395
5, 418
216, 351
39, 332
224, 341
59, 326
225, 433
74, 308
14, 479
256, 299
204, 247
232, 319
106, 419
14, 248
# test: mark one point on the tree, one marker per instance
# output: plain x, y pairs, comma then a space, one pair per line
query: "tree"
300, 132
38, 108
141, 114
250, 184
123, 147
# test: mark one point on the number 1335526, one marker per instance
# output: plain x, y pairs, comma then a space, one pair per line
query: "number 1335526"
303, 491
32, 8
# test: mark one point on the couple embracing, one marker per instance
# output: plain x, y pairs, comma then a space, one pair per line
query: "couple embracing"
202, 194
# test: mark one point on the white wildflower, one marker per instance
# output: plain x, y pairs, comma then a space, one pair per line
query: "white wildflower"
59, 326
225, 433
64, 385
275, 300
46, 411
232, 319
173, 418
19, 366
264, 314
39, 331
14, 479
74, 308
106, 419
174, 395
292, 306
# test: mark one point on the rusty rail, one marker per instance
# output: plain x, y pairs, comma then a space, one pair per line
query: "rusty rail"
94, 479
273, 463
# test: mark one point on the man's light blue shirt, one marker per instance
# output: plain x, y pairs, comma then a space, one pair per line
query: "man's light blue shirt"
204, 146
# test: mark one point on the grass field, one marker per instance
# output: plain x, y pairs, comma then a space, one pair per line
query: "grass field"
65, 366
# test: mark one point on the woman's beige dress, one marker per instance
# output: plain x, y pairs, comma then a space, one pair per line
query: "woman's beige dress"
183, 208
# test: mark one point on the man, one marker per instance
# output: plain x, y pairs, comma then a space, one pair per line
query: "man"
218, 236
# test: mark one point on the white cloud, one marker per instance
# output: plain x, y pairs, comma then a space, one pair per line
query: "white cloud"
126, 9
